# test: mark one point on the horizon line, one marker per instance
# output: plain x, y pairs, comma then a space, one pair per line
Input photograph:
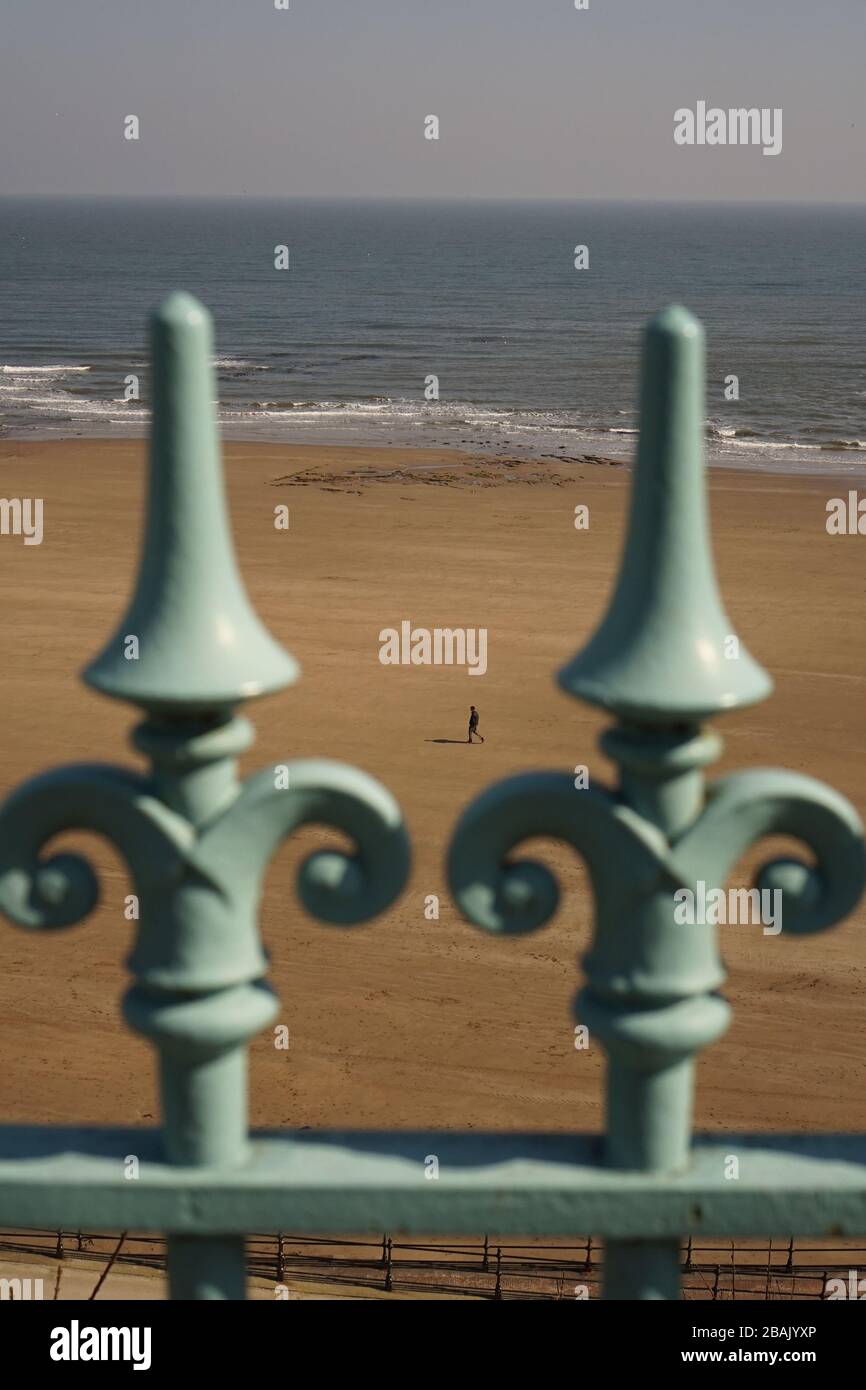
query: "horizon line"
708, 201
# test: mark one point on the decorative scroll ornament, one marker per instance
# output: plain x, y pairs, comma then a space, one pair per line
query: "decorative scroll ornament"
662, 660
197, 842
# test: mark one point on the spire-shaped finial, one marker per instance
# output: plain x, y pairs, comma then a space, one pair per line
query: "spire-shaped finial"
666, 652
200, 645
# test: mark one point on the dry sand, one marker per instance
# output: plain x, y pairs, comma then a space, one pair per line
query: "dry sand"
409, 1022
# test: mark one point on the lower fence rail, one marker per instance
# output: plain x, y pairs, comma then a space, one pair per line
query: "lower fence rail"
319, 1185
508, 1185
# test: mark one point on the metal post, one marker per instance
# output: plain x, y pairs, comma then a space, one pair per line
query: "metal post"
663, 660
188, 651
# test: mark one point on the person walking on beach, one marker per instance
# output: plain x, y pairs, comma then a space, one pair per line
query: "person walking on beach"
473, 724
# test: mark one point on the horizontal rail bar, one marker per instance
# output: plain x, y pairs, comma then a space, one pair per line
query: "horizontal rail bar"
336, 1182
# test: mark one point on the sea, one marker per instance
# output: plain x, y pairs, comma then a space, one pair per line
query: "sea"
531, 356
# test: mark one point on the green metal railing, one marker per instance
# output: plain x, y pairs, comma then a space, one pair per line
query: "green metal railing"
189, 652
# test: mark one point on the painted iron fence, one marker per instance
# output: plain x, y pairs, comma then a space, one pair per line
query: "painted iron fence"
189, 652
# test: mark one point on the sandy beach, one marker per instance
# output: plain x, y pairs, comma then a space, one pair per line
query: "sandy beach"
411, 1022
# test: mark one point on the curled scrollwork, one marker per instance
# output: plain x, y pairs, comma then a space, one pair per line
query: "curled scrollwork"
516, 897
58, 891
342, 889
624, 849
748, 806
160, 847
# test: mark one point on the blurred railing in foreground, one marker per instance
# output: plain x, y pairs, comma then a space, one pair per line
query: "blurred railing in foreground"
189, 651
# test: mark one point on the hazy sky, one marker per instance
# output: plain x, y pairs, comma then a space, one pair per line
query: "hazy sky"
535, 99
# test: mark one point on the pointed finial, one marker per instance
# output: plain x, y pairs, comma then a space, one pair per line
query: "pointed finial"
200, 645
666, 652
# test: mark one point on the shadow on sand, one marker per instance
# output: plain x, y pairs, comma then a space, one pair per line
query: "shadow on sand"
446, 740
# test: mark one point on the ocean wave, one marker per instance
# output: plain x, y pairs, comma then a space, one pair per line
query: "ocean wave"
752, 442
239, 364
23, 401
59, 369
326, 409
283, 405
52, 396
